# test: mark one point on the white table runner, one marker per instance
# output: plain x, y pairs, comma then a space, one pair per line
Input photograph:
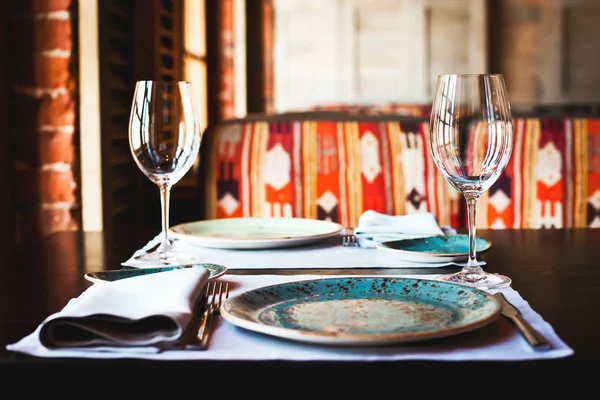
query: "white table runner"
499, 341
326, 254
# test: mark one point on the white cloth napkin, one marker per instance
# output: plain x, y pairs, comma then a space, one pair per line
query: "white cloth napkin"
148, 312
497, 342
374, 227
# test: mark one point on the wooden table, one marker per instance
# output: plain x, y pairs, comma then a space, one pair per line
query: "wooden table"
556, 271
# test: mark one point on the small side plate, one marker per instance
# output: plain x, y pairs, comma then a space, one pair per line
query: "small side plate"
215, 271
442, 248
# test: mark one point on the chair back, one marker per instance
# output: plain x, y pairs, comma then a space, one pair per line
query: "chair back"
328, 166
334, 166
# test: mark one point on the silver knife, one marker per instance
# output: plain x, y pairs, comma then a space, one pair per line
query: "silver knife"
533, 337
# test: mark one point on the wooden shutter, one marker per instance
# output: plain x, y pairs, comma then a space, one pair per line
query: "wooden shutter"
123, 185
168, 40
139, 40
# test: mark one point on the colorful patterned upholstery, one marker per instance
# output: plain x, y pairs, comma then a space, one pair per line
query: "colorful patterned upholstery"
552, 179
324, 169
335, 169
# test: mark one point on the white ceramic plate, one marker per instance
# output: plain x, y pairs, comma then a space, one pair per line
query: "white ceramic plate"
255, 232
434, 249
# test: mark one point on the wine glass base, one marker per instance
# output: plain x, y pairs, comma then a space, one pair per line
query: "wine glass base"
168, 258
484, 280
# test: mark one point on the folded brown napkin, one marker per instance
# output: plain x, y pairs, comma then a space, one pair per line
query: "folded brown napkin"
150, 310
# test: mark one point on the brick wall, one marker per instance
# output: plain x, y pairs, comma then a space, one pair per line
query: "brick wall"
43, 117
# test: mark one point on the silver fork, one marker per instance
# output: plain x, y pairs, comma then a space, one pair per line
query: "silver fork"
216, 293
349, 239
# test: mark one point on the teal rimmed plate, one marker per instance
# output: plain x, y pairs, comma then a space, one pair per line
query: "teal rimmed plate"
442, 248
361, 310
215, 271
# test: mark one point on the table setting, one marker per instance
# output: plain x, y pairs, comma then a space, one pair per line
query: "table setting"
437, 329
162, 304
166, 327
276, 243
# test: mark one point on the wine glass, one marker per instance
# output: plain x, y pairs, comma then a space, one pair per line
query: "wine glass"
164, 139
471, 138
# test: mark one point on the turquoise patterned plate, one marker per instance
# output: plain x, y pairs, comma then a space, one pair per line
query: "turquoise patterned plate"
215, 271
442, 248
361, 310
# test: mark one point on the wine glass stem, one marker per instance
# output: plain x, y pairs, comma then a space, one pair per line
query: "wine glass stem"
472, 264
165, 196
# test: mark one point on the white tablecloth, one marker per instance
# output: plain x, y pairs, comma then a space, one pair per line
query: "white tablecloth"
497, 341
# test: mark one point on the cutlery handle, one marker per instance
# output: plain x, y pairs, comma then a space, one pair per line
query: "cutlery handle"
203, 331
533, 337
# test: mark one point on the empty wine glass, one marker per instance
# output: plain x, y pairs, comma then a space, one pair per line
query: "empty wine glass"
164, 138
471, 137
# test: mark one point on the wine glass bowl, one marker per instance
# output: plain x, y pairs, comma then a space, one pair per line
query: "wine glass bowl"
471, 139
164, 139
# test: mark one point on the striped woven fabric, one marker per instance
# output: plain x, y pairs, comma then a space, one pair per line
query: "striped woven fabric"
328, 170
552, 179
334, 170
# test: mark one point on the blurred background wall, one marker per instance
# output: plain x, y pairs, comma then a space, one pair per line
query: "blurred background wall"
69, 69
